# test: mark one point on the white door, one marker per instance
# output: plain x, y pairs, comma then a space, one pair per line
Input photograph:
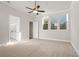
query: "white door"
35, 30
14, 28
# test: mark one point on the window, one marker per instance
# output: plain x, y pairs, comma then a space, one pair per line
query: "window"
53, 23
57, 22
45, 23
63, 23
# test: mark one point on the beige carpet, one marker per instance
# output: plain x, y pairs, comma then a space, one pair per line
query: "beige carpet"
38, 48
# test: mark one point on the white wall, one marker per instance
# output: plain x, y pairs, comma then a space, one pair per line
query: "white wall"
74, 16
63, 35
5, 11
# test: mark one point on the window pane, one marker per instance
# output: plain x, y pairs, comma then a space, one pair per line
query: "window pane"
45, 23
63, 22
53, 22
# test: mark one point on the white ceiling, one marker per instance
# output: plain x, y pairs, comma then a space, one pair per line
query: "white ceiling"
48, 6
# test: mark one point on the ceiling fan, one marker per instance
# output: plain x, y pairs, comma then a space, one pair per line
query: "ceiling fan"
35, 9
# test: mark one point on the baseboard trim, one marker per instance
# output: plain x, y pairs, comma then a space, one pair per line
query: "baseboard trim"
75, 48
61, 40
56, 40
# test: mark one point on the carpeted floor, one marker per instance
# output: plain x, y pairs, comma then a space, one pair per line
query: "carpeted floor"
38, 48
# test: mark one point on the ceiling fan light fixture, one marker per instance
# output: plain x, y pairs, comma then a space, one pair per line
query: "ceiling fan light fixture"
35, 11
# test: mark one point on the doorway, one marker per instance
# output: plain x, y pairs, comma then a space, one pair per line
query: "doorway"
30, 30
14, 29
33, 30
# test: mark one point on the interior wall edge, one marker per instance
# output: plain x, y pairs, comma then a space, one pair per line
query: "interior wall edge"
76, 50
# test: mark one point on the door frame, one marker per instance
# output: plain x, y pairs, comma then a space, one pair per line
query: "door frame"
17, 24
32, 29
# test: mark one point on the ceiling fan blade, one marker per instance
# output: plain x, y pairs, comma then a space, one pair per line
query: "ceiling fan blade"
40, 10
35, 9
30, 12
29, 8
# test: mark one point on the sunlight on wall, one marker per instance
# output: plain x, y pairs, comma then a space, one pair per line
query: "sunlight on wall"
10, 43
18, 36
44, 18
67, 16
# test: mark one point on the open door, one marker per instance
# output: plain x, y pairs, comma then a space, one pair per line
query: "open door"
31, 30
